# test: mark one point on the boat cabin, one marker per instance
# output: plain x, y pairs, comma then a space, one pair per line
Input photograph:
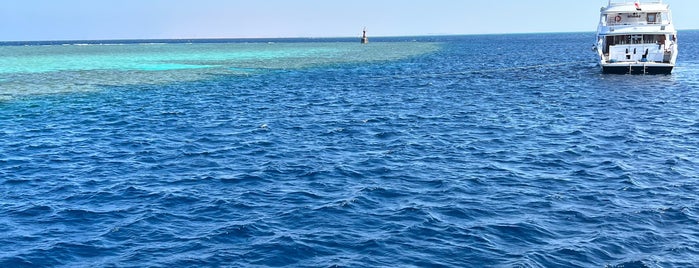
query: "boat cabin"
638, 47
635, 18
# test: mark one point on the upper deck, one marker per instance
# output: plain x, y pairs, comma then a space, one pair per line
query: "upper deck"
650, 16
624, 6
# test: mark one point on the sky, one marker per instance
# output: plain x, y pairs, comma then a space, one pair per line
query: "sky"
31, 20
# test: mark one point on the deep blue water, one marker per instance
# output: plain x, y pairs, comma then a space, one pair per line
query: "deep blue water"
491, 151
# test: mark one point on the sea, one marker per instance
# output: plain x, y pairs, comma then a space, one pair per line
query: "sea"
434, 151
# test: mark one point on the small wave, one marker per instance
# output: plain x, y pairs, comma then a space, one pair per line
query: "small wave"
33, 211
395, 156
16, 262
634, 264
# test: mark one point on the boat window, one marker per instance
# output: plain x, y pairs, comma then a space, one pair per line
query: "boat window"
637, 39
652, 18
652, 39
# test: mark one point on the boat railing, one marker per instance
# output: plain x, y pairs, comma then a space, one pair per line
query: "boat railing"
612, 22
626, 2
644, 42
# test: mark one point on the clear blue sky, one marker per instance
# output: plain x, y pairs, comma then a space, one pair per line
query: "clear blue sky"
22, 20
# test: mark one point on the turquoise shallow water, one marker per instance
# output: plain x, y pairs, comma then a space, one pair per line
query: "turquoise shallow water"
46, 69
458, 151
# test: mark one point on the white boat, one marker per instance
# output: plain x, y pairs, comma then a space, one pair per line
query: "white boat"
636, 37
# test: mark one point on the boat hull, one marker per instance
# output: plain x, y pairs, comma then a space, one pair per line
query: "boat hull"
636, 69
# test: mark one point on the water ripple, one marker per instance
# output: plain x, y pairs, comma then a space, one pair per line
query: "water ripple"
431, 158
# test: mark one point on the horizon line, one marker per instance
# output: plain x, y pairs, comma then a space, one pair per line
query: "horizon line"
293, 37
279, 37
